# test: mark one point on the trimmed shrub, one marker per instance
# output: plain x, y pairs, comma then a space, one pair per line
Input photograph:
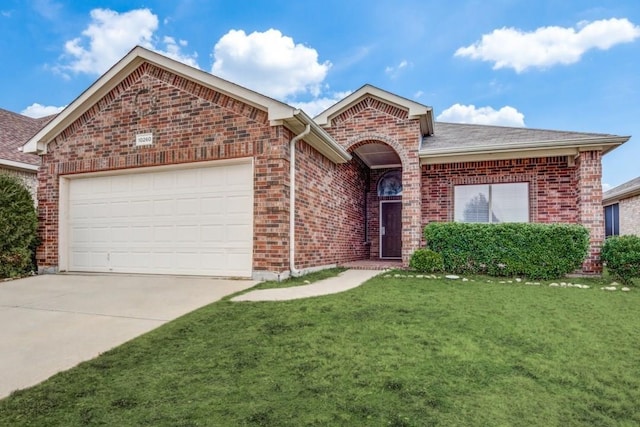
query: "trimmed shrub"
18, 226
622, 257
537, 251
426, 261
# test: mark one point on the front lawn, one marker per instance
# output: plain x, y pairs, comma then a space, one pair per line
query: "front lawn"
393, 352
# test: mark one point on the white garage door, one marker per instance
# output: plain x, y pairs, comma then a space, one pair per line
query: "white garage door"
196, 221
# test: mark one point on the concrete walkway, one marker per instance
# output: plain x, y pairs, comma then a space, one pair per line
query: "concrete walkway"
344, 281
51, 323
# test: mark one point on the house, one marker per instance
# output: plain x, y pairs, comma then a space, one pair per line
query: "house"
15, 130
622, 209
162, 168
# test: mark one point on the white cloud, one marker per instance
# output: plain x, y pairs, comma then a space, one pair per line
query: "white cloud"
394, 72
606, 187
110, 35
505, 116
548, 46
269, 63
318, 105
418, 94
36, 110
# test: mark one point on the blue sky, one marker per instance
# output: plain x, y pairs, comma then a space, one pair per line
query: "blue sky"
568, 65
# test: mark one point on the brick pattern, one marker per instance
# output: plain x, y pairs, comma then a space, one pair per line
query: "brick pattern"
371, 120
329, 209
630, 215
190, 123
558, 192
589, 205
552, 186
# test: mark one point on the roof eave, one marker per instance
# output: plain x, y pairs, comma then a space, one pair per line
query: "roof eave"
318, 138
625, 194
11, 164
604, 144
415, 110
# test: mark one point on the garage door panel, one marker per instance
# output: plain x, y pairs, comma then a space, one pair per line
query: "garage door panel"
189, 221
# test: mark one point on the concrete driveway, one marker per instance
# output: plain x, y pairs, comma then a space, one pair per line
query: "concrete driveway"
51, 323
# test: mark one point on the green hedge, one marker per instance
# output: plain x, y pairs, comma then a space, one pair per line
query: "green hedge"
622, 257
537, 251
18, 224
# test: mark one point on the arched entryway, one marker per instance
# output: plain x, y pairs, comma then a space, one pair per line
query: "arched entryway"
383, 202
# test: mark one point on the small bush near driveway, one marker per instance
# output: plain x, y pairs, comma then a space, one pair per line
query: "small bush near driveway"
426, 261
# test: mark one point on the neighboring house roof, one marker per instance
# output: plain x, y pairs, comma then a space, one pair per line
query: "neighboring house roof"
622, 191
15, 130
414, 109
457, 142
278, 113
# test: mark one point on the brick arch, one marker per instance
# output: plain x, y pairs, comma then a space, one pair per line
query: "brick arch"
365, 139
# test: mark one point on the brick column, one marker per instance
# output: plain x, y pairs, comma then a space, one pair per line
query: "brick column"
411, 207
589, 201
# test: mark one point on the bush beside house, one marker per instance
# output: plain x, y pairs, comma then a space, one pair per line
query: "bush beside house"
537, 251
18, 225
426, 261
622, 257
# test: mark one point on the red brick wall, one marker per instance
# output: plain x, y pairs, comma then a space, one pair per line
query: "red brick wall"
329, 209
589, 205
191, 123
371, 120
558, 192
552, 186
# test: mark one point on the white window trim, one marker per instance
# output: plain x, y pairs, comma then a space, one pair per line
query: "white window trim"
490, 199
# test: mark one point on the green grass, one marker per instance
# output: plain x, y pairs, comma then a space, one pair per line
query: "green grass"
393, 352
301, 280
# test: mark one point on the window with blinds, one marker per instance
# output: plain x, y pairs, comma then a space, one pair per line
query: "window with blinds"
492, 203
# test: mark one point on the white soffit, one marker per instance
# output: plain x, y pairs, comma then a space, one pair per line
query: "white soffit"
377, 155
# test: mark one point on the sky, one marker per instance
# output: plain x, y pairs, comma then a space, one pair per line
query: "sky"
567, 65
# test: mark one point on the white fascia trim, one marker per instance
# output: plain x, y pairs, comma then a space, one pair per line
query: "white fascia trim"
19, 165
415, 109
625, 194
37, 144
586, 144
319, 138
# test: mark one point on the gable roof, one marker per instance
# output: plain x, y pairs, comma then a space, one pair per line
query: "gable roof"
457, 142
414, 109
622, 191
278, 113
15, 130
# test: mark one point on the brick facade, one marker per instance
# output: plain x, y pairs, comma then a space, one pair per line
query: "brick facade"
629, 214
589, 205
329, 210
552, 186
560, 191
190, 123
369, 121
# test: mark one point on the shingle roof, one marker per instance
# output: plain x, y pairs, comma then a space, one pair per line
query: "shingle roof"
468, 136
622, 191
15, 130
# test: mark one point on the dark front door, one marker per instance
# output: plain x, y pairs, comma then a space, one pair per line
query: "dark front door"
391, 229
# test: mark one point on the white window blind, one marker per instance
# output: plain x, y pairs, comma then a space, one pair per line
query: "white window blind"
492, 203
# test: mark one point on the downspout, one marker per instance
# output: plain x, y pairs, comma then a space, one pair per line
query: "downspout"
292, 200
